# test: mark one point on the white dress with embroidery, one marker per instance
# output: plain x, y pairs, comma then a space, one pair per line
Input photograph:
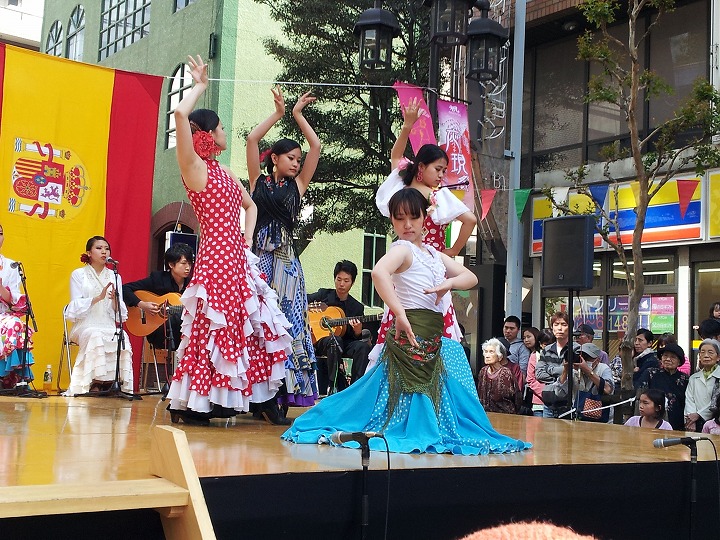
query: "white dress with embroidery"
94, 330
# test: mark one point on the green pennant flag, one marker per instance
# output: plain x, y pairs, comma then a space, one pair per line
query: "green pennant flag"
521, 199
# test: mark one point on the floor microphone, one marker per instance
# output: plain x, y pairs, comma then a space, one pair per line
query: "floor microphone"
340, 437
674, 441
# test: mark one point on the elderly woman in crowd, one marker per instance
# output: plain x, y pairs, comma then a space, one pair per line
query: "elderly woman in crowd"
671, 381
497, 386
698, 396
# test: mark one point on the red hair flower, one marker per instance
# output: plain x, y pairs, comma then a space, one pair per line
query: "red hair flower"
264, 154
205, 145
85, 258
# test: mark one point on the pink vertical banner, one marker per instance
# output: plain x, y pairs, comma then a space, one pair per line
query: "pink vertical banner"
454, 137
423, 131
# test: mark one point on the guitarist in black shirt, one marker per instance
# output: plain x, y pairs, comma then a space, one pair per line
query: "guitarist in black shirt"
179, 259
351, 343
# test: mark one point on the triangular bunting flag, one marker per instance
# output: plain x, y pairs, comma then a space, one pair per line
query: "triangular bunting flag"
686, 190
486, 198
560, 195
599, 192
521, 198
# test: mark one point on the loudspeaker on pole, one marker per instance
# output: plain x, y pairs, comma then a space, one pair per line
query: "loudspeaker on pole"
567, 253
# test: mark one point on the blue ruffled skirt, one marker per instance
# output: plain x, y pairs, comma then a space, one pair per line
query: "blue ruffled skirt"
459, 427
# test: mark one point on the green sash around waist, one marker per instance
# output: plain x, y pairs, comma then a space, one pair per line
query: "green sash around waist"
415, 369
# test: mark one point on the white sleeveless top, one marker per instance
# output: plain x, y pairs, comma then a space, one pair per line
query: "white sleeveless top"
426, 271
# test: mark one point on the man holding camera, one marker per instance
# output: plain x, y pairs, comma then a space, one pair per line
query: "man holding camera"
590, 374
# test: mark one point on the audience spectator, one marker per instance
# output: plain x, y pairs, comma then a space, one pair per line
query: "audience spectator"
712, 426
671, 381
497, 386
589, 375
586, 334
550, 364
512, 366
546, 338
527, 530
664, 339
517, 352
714, 312
644, 357
652, 411
533, 388
698, 396
709, 329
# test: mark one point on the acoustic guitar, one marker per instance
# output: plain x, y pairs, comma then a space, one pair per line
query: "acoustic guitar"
141, 322
324, 319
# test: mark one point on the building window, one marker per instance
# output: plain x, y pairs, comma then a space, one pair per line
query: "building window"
563, 131
374, 247
76, 34
179, 4
123, 22
54, 45
180, 83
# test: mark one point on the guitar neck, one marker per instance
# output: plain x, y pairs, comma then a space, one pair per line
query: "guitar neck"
346, 320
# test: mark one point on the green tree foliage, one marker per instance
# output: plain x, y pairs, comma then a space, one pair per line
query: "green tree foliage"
356, 125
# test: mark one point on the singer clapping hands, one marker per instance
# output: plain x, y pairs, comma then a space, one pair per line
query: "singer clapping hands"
95, 311
12, 325
420, 394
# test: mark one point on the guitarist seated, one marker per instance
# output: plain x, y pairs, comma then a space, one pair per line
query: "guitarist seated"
179, 260
350, 342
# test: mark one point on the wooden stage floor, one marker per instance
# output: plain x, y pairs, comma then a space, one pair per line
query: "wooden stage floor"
75, 440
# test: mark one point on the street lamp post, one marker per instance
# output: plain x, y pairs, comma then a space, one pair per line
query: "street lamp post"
513, 292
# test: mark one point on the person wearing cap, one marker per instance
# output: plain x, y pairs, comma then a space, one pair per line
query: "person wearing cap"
590, 375
698, 395
671, 381
586, 334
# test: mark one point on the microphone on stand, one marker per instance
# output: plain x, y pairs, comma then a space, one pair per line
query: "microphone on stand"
674, 441
362, 437
15, 264
110, 260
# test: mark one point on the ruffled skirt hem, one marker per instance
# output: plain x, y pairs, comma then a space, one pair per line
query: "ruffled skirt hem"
459, 426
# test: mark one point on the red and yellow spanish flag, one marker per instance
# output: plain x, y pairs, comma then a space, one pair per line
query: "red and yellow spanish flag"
77, 152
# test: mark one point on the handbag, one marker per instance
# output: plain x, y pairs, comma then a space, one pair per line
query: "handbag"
586, 403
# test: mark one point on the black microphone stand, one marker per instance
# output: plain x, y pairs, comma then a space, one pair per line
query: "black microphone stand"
169, 358
22, 388
693, 482
334, 346
115, 389
364, 501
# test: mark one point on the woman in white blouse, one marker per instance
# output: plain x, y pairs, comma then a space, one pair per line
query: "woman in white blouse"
15, 360
97, 319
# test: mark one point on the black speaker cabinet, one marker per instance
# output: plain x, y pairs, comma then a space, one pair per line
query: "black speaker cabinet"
567, 254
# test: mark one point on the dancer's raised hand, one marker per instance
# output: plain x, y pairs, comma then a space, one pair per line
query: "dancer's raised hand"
198, 70
302, 101
279, 100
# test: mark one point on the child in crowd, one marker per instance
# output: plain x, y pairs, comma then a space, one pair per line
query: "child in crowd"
712, 426
652, 411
